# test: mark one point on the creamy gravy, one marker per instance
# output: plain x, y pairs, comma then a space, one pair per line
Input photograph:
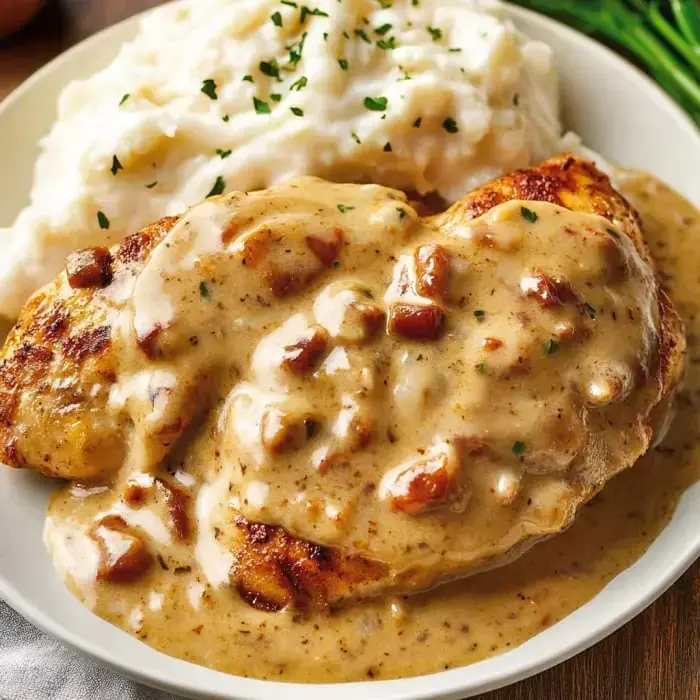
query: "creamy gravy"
179, 608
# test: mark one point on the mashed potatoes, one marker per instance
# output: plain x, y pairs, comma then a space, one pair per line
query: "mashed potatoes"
217, 95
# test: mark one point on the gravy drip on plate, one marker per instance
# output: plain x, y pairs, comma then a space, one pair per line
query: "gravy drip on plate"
182, 603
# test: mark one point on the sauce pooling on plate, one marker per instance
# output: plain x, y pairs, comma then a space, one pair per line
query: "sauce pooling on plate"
90, 530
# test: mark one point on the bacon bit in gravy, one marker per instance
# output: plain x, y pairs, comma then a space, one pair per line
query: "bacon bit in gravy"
416, 321
421, 487
135, 495
303, 355
281, 283
492, 344
280, 433
91, 267
432, 271
255, 247
125, 565
177, 502
372, 318
147, 343
327, 251
546, 290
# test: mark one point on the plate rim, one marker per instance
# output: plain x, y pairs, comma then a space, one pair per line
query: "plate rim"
445, 684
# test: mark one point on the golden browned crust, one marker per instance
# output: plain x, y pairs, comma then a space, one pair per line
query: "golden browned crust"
273, 569
57, 353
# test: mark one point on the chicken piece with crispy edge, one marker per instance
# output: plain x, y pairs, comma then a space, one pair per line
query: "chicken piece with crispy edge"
52, 420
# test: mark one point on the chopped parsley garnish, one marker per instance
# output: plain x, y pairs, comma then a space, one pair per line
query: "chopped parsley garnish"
305, 11
217, 187
346, 35
270, 68
450, 126
248, 78
151, 185
275, 97
528, 214
405, 76
102, 220
124, 99
387, 45
225, 118
297, 111
276, 18
435, 33
342, 208
551, 346
387, 147
295, 50
342, 62
209, 89
481, 367
363, 35
386, 4
414, 3
325, 36
376, 104
289, 2
261, 107
116, 165
417, 123
454, 50
516, 99
299, 84
336, 264
222, 153
402, 212
479, 313
204, 290
356, 138
613, 233
518, 447
590, 310
383, 29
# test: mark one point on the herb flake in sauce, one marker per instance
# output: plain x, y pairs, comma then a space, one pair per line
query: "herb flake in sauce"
102, 220
528, 214
518, 447
551, 346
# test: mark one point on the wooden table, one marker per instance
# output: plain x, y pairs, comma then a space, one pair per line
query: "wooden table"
654, 657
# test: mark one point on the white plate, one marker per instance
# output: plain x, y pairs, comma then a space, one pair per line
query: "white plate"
619, 113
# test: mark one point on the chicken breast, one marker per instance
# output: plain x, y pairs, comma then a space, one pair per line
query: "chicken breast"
380, 401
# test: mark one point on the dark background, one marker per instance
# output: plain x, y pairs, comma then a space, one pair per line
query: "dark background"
654, 657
